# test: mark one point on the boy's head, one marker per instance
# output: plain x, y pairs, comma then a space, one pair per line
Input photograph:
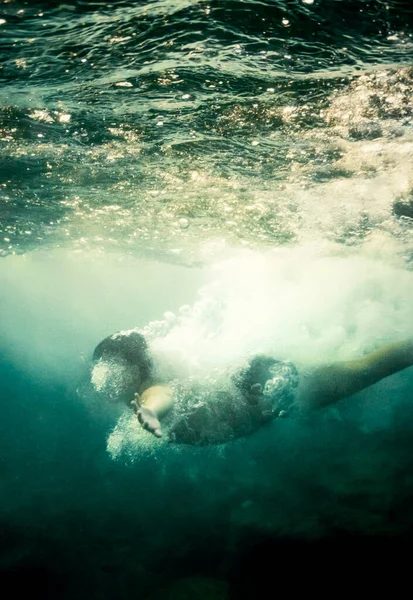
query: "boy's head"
123, 365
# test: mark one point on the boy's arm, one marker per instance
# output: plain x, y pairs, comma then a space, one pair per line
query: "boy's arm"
152, 404
331, 383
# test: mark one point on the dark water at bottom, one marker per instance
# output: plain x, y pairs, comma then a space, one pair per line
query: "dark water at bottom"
259, 518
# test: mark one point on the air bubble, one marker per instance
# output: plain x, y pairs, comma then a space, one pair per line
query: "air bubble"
183, 223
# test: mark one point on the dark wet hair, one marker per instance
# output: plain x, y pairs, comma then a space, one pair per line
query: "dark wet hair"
127, 348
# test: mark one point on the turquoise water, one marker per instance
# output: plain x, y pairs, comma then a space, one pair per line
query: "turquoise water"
232, 178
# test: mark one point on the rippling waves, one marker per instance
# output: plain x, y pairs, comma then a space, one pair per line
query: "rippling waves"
161, 127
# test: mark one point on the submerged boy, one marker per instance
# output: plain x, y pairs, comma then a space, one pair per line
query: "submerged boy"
262, 391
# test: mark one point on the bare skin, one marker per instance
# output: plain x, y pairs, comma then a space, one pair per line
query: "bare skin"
331, 383
327, 385
151, 405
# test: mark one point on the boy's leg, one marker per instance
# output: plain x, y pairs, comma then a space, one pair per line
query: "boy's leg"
331, 383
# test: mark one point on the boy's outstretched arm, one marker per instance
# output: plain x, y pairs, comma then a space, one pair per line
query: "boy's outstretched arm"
152, 404
331, 383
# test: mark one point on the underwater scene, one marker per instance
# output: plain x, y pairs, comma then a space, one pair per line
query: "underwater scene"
206, 298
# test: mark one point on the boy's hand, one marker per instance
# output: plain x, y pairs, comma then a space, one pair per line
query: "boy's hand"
147, 418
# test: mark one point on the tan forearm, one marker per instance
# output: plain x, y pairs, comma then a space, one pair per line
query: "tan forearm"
340, 380
158, 398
